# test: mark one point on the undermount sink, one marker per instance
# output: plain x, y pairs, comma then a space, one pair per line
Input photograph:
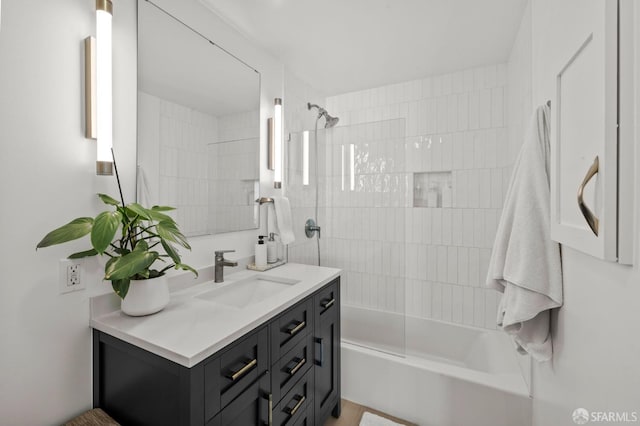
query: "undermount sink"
248, 291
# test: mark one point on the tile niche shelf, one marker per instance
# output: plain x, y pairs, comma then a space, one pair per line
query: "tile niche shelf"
433, 189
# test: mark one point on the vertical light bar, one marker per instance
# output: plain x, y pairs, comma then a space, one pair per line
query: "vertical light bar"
352, 171
305, 157
104, 77
277, 135
342, 166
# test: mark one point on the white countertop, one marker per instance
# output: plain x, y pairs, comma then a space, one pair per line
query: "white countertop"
190, 329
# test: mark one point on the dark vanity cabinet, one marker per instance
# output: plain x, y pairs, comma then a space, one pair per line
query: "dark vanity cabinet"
284, 372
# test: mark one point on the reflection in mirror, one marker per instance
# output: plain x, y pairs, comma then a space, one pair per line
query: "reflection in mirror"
198, 127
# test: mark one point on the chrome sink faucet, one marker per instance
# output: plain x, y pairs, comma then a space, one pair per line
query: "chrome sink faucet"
221, 262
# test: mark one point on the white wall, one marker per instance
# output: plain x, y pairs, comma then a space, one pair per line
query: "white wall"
48, 178
596, 333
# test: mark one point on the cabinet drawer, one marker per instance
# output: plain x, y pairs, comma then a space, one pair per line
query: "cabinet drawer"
291, 367
250, 408
290, 328
296, 404
326, 302
235, 369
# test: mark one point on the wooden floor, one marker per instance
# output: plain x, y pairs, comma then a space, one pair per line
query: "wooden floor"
352, 413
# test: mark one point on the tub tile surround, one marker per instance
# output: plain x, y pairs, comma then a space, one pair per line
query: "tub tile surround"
427, 262
199, 157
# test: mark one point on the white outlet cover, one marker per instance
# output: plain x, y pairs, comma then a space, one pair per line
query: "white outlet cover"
63, 266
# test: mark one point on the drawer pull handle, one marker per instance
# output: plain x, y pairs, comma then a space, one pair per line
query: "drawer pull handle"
301, 400
329, 303
592, 219
235, 376
297, 367
270, 409
321, 341
297, 328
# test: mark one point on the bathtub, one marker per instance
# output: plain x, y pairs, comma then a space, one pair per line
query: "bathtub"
447, 374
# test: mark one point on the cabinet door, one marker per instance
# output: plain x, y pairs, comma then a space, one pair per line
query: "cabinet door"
252, 407
578, 65
327, 362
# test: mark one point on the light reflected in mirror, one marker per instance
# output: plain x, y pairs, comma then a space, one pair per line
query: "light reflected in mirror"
198, 127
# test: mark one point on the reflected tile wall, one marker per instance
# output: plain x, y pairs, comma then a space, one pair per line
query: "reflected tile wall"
431, 262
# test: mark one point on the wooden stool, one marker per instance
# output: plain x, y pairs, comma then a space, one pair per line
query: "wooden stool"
95, 417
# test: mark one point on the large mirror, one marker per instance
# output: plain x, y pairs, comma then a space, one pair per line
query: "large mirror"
198, 127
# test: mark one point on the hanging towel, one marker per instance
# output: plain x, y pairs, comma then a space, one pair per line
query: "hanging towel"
525, 264
283, 218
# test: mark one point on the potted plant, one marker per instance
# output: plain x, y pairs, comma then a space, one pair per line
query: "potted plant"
135, 239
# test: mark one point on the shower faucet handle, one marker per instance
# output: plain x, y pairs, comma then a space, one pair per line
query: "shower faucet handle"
310, 228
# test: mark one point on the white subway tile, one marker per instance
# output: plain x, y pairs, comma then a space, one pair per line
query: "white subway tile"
452, 113
463, 266
469, 150
496, 188
447, 152
484, 188
474, 110
447, 303
456, 227
484, 109
491, 309
479, 307
497, 107
467, 225
485, 255
502, 148
436, 226
447, 225
479, 149
457, 154
463, 111
478, 228
474, 266
427, 224
442, 115
473, 189
491, 154
436, 86
468, 305
452, 265
457, 304
426, 299
491, 225
436, 301
461, 188
442, 264
432, 265
424, 262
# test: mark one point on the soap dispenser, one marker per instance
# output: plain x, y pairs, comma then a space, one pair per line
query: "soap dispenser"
261, 253
272, 249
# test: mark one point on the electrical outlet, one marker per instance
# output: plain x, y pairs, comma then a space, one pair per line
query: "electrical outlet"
70, 276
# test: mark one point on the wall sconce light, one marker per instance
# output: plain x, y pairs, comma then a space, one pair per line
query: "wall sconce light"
277, 143
305, 157
99, 87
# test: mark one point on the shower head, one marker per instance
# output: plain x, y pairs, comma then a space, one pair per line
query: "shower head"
329, 120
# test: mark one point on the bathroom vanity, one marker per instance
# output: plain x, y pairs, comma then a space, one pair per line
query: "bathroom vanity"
213, 358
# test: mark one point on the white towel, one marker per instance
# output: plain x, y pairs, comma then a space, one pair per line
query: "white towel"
525, 263
283, 219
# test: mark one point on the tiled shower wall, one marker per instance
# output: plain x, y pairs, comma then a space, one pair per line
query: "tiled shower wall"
234, 173
453, 123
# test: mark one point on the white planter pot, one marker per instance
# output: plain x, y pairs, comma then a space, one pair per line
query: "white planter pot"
146, 297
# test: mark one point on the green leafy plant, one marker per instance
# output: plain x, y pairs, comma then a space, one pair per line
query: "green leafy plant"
134, 250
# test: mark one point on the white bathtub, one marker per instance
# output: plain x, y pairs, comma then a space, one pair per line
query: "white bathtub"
448, 375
